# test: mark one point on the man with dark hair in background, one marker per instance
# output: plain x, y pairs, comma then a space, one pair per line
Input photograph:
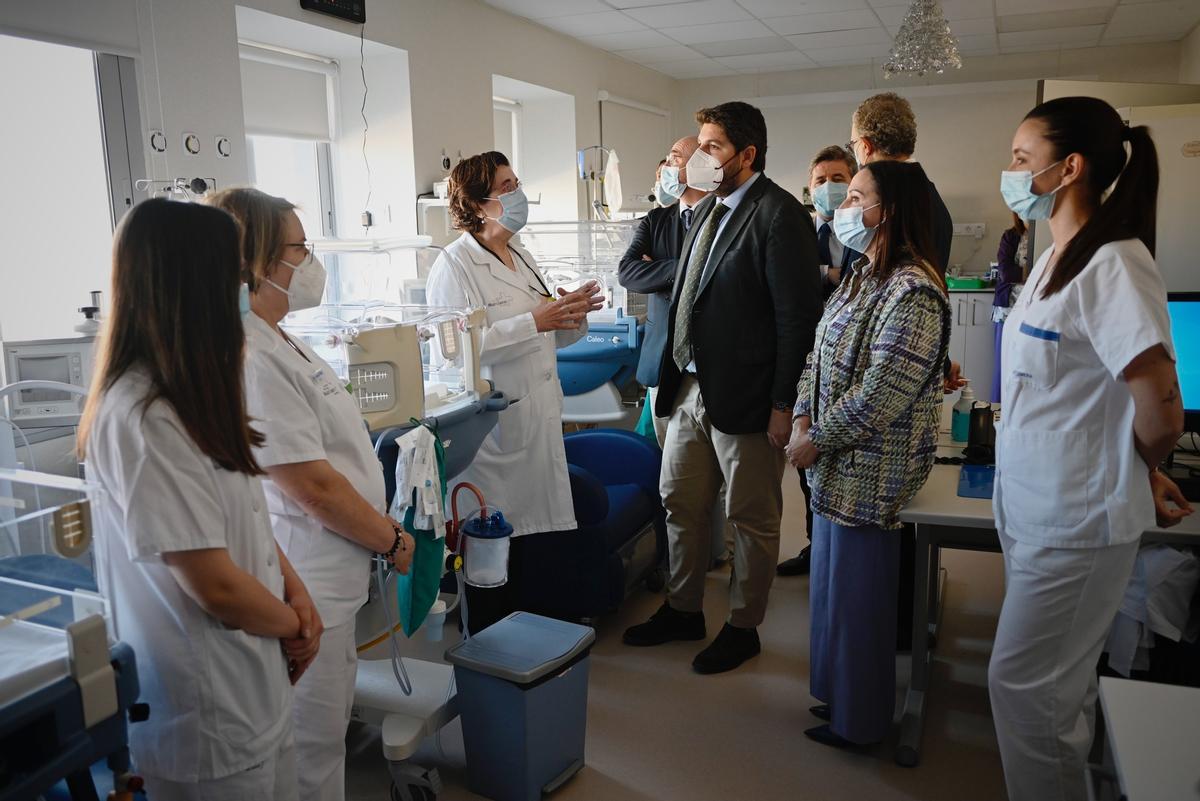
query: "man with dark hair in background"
744, 310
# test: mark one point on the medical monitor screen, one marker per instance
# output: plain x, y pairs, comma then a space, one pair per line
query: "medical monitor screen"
1184, 308
44, 368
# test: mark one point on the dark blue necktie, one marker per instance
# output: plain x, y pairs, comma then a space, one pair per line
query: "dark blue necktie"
823, 245
687, 219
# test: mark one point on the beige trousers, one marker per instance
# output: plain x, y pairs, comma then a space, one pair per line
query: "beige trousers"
697, 458
722, 532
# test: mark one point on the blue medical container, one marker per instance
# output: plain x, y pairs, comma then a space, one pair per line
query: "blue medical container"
522, 694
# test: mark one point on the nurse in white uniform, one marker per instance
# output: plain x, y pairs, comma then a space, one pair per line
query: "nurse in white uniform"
198, 585
325, 488
1090, 406
521, 467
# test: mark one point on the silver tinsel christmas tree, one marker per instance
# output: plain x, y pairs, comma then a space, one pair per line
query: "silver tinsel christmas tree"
924, 43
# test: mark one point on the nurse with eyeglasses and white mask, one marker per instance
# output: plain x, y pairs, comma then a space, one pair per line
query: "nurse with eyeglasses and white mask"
325, 485
521, 468
1090, 405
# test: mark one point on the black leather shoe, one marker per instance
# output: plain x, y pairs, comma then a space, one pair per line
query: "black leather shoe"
797, 565
730, 649
825, 736
821, 711
666, 625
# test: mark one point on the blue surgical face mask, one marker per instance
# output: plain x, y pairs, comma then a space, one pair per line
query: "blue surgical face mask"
1017, 188
849, 229
669, 186
515, 210
244, 300
828, 196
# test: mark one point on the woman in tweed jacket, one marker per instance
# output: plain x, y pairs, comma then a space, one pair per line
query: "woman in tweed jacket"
865, 426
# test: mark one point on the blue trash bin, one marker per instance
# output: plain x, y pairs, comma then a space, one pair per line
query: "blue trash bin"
522, 694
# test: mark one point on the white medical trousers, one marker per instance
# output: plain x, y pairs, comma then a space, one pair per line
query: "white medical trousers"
321, 713
271, 780
1059, 604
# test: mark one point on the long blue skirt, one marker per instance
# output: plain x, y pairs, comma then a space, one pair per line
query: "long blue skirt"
852, 593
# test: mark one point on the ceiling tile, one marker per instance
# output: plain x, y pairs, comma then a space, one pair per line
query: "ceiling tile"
1006, 8
628, 40
984, 44
970, 9
642, 3
1054, 37
841, 55
866, 36
892, 15
825, 21
699, 12
593, 24
701, 68
1054, 19
758, 62
544, 9
889, 3
784, 8
1170, 20
972, 27
721, 32
741, 47
660, 55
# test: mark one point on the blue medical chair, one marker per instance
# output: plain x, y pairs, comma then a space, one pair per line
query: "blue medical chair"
621, 539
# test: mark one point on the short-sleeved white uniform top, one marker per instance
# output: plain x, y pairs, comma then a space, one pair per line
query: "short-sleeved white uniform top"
1068, 473
220, 700
306, 414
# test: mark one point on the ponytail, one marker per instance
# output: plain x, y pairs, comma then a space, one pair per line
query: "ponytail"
1094, 130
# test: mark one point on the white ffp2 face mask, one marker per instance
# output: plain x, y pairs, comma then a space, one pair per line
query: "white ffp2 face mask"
704, 172
308, 283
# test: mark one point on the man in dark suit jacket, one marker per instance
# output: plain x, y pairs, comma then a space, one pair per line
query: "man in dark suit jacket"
650, 262
744, 310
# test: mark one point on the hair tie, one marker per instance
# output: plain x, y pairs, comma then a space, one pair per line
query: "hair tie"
1127, 134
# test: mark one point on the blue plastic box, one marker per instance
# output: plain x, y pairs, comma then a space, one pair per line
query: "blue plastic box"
522, 693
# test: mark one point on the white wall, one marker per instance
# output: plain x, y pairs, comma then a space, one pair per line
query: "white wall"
546, 145
55, 219
965, 120
1189, 58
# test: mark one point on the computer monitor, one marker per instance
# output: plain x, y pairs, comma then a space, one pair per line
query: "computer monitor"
67, 361
1184, 308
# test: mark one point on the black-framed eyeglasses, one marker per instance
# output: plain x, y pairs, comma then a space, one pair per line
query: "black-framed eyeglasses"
850, 146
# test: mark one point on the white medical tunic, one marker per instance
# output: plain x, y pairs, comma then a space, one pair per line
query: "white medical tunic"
306, 414
220, 700
521, 468
1068, 474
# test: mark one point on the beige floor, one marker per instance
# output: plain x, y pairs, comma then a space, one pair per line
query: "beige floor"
658, 731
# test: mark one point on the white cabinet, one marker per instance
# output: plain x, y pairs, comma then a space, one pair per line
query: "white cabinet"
972, 338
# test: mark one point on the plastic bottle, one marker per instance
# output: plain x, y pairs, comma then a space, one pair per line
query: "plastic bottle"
960, 420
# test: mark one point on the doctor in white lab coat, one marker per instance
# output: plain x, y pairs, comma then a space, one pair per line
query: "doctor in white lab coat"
1091, 405
198, 586
325, 487
521, 467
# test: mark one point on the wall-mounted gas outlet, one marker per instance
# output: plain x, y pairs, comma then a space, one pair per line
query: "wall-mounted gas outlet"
976, 230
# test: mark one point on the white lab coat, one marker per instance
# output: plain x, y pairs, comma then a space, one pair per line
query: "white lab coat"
306, 414
1072, 499
521, 468
220, 699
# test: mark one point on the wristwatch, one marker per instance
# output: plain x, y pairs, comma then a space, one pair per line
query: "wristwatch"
782, 406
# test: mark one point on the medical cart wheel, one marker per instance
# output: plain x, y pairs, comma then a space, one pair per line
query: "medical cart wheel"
412, 792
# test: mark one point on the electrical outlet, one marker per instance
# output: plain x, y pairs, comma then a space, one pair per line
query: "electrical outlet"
976, 230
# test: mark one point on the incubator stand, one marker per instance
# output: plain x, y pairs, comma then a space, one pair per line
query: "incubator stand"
65, 685
399, 362
594, 370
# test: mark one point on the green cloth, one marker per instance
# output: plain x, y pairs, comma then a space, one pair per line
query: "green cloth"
645, 423
418, 589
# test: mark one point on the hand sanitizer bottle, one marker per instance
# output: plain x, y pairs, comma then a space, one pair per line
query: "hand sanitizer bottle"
960, 420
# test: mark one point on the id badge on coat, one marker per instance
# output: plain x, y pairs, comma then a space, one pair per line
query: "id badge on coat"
326, 383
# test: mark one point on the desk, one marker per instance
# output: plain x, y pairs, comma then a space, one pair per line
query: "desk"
944, 520
1152, 731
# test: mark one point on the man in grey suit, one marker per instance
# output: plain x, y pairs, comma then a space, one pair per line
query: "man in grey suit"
745, 305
